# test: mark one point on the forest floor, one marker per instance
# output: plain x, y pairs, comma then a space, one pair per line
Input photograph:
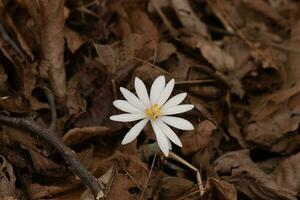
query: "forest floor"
62, 64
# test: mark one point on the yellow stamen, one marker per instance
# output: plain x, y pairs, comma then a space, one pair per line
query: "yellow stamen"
153, 112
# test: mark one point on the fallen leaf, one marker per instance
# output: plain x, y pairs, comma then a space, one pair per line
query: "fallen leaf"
200, 138
172, 188
100, 109
74, 41
164, 51
51, 24
77, 136
7, 180
237, 168
45, 166
189, 20
217, 57
287, 173
219, 190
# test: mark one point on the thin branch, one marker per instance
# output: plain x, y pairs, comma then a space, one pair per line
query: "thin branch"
148, 178
198, 175
68, 154
10, 41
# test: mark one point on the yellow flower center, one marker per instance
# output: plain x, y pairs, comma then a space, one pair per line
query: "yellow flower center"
153, 112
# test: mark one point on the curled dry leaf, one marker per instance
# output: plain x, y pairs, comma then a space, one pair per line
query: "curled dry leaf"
7, 180
237, 168
80, 135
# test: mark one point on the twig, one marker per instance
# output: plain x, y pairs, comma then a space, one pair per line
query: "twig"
155, 66
165, 20
68, 154
10, 41
148, 178
198, 175
188, 82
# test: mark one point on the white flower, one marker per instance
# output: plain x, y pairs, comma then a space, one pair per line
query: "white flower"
155, 109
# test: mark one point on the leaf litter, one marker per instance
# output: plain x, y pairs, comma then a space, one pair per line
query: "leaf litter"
237, 60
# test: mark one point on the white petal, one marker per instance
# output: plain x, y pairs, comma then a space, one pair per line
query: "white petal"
134, 131
141, 91
166, 92
169, 132
127, 117
177, 122
132, 99
125, 106
170, 144
177, 109
174, 101
162, 140
157, 88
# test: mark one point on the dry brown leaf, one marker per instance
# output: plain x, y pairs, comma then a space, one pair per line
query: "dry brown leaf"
37, 191
268, 130
45, 166
77, 136
235, 131
293, 57
71, 195
76, 104
287, 173
131, 178
149, 72
74, 41
21, 137
119, 58
199, 138
7, 180
189, 20
219, 190
164, 51
100, 109
172, 188
216, 56
143, 25
243, 65
237, 168
51, 25
265, 9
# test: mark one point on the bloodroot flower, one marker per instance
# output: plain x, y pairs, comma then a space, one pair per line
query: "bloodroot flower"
155, 109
